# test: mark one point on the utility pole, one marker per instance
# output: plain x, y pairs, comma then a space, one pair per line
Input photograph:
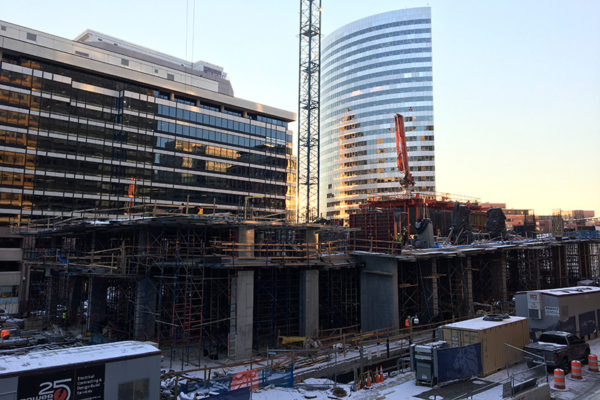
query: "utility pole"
309, 82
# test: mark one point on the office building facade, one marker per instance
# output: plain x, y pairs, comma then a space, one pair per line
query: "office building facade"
372, 69
98, 123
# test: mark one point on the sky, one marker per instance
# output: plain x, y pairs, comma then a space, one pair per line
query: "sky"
516, 82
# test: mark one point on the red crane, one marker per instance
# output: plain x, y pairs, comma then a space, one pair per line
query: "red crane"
408, 180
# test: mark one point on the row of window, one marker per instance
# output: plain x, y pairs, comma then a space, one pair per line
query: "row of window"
356, 94
374, 161
413, 169
353, 68
364, 31
378, 103
225, 138
48, 85
369, 86
70, 166
361, 78
65, 204
224, 123
381, 46
131, 190
387, 121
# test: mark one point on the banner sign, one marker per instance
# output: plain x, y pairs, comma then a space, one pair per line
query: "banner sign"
85, 383
243, 379
459, 362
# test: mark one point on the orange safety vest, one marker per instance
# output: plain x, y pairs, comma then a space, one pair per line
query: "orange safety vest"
407, 322
4, 333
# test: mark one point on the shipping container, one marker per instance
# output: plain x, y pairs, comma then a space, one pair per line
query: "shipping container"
571, 309
492, 335
119, 370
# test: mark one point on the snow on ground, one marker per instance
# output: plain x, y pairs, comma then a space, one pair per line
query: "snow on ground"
403, 387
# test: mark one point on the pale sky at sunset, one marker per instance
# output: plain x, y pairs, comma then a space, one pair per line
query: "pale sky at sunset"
516, 82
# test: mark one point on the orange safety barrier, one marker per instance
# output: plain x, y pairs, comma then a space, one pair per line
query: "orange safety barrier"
593, 362
559, 379
576, 369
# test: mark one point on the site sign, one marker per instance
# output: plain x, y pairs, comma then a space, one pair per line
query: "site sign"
85, 383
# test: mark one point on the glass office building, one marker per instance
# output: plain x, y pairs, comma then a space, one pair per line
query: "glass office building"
100, 123
372, 69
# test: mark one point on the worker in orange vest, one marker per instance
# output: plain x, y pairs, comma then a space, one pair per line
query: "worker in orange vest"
4, 334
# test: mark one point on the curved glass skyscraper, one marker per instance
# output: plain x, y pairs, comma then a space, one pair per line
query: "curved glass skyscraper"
372, 69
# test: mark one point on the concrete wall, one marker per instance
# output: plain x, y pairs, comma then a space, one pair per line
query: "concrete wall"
379, 293
558, 309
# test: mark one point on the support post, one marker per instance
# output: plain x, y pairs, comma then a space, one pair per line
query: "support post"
503, 283
242, 311
469, 275
309, 303
434, 289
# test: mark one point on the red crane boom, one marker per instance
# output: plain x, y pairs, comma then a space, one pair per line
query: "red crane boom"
402, 152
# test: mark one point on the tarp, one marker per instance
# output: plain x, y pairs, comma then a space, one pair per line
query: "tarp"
281, 379
239, 394
587, 323
459, 362
461, 226
567, 325
495, 223
249, 379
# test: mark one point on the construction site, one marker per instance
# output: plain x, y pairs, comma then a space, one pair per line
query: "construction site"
219, 286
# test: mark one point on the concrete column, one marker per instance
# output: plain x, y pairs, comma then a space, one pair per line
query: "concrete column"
379, 293
434, 288
312, 241
469, 276
309, 303
96, 304
246, 240
242, 315
145, 310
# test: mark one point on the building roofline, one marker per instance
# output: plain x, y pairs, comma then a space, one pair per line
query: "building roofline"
62, 50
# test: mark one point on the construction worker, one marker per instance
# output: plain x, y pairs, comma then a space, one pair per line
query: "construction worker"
404, 235
4, 334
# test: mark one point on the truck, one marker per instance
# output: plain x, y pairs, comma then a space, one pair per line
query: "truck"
557, 349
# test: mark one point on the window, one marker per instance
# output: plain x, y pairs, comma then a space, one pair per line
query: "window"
31, 36
134, 390
125, 62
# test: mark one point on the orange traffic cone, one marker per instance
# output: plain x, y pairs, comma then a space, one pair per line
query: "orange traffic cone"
369, 380
381, 376
377, 377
